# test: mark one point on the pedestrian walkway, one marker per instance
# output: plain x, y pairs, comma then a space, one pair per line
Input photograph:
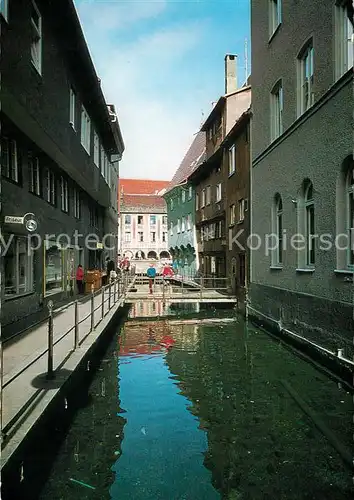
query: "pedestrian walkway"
25, 359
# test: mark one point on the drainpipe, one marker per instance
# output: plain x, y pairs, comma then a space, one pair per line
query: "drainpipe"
250, 204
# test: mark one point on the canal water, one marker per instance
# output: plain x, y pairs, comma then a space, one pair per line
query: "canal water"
204, 408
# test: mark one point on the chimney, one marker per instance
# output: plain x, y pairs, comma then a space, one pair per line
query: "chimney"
230, 73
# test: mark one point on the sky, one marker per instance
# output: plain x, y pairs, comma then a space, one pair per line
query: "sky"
161, 63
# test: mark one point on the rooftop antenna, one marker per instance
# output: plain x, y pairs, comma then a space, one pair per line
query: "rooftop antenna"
246, 60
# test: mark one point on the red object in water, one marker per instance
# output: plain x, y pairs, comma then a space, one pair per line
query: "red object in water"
167, 342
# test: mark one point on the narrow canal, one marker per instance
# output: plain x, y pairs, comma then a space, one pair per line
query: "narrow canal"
204, 409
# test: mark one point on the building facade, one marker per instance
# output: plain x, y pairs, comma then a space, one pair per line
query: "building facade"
180, 202
58, 144
302, 169
236, 170
143, 220
210, 178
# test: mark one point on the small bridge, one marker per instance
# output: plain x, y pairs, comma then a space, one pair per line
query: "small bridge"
202, 290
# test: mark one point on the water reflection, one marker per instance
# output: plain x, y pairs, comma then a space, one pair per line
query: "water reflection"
195, 409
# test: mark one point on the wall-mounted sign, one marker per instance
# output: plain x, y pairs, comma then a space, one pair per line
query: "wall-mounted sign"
12, 219
28, 220
99, 246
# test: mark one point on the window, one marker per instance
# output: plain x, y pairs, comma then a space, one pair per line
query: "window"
211, 231
140, 236
127, 220
276, 111
202, 203
350, 215
164, 220
277, 230
274, 15
140, 219
218, 192
152, 220
53, 268
306, 70
9, 159
171, 228
218, 229
4, 9
190, 192
96, 149
208, 195
309, 225
64, 201
77, 204
164, 237
343, 39
189, 222
241, 210
197, 201
18, 267
171, 204
85, 130
183, 224
232, 159
93, 216
153, 236
50, 187
232, 214
183, 195
178, 226
36, 38
34, 175
72, 109
128, 237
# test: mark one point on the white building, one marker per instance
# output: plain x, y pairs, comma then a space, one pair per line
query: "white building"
143, 220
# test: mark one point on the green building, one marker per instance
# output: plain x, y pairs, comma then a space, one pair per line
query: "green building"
180, 200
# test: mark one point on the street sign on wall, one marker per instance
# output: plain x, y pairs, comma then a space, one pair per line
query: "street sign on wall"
12, 219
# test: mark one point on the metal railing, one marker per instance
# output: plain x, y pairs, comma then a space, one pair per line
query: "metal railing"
111, 293
200, 287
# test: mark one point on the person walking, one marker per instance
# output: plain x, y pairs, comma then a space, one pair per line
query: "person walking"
80, 279
151, 274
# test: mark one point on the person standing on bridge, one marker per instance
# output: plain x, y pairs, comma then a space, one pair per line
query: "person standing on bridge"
151, 274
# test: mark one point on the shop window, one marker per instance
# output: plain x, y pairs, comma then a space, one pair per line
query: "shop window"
18, 267
53, 268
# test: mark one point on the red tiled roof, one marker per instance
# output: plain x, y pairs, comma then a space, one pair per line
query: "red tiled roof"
142, 203
192, 159
141, 186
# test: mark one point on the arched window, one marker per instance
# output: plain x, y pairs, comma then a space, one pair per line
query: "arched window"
277, 230
350, 214
309, 223
305, 78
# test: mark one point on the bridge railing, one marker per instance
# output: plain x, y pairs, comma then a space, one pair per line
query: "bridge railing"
93, 311
179, 285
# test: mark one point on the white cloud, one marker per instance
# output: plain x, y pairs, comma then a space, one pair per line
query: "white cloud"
108, 15
157, 117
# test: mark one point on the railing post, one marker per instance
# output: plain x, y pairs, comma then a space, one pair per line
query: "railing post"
102, 311
2, 392
115, 291
182, 285
50, 371
92, 308
76, 329
109, 295
201, 286
119, 282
